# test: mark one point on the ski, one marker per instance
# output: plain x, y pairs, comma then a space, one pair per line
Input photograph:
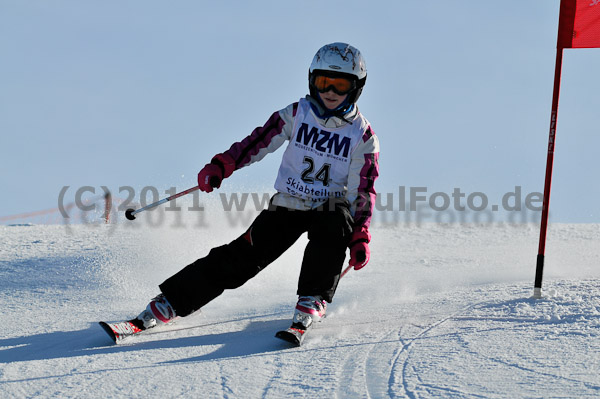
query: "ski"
295, 334
120, 330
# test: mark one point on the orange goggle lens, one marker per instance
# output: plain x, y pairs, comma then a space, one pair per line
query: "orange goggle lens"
339, 85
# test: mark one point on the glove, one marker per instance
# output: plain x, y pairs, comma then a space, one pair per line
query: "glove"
359, 248
213, 173
210, 177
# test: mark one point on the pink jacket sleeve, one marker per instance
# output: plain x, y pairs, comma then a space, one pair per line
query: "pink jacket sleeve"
364, 170
262, 141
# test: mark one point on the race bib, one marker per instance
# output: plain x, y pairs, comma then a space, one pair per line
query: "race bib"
316, 161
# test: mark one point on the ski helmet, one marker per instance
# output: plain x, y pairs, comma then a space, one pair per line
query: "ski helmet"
339, 60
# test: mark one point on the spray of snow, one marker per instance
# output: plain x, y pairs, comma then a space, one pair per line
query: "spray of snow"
440, 311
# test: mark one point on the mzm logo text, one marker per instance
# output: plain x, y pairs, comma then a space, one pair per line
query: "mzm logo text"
323, 141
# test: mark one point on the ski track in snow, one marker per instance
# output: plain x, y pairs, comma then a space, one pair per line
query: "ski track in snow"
404, 354
441, 311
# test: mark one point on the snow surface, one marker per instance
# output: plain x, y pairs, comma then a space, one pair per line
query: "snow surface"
441, 311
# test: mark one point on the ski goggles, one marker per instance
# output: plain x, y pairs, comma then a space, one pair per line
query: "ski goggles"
339, 85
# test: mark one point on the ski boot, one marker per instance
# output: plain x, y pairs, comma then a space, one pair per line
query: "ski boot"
158, 312
309, 309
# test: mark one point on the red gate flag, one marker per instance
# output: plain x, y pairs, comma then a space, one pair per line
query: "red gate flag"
579, 24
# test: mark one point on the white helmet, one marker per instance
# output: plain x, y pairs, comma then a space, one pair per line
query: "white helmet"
339, 59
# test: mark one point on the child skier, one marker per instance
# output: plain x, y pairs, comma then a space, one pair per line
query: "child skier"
324, 187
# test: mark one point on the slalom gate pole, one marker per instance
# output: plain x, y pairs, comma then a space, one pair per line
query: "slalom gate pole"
539, 271
130, 213
107, 206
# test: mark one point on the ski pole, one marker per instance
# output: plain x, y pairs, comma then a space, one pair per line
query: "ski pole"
346, 270
361, 258
130, 213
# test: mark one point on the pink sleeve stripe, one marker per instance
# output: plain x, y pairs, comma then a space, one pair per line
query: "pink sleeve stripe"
366, 190
368, 134
242, 152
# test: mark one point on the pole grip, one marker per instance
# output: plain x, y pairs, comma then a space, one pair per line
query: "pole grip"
214, 182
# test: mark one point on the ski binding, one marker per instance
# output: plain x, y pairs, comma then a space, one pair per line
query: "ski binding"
295, 334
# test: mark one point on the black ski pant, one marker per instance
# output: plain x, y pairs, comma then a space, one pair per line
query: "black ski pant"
273, 231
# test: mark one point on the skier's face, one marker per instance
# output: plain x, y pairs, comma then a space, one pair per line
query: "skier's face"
331, 99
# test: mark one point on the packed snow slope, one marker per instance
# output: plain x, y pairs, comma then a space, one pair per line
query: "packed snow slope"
440, 311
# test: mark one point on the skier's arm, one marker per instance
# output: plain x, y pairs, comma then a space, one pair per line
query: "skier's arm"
364, 170
262, 141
